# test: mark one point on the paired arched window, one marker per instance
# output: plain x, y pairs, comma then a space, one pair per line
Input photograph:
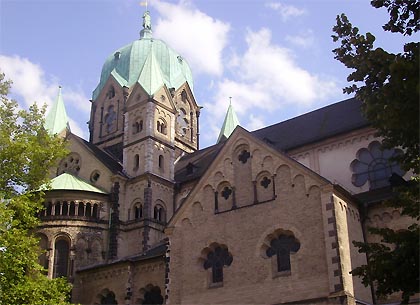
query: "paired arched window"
161, 126
138, 211
159, 213
137, 126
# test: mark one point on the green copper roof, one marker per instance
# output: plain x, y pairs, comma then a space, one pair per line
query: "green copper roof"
57, 120
131, 63
69, 182
229, 124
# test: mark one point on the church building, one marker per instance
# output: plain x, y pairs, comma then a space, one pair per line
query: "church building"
138, 214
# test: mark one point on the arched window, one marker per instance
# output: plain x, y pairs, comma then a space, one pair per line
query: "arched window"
81, 209
49, 209
159, 213
137, 126
88, 211
108, 298
216, 259
282, 247
61, 258
161, 126
136, 162
138, 211
111, 92
57, 208
65, 209
151, 295
72, 210
160, 163
95, 211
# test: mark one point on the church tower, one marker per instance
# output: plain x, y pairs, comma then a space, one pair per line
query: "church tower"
144, 114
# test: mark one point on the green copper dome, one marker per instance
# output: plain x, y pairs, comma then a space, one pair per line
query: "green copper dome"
148, 61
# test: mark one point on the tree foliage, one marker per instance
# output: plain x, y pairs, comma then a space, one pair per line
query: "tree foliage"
27, 152
388, 86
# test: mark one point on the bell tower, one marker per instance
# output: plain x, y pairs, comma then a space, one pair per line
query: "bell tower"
144, 113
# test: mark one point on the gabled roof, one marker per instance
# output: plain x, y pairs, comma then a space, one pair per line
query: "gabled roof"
194, 165
57, 121
332, 120
69, 182
229, 124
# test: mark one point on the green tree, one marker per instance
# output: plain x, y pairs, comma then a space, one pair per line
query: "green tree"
388, 86
27, 152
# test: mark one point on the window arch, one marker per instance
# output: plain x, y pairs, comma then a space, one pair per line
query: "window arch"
136, 162
159, 213
150, 295
61, 257
138, 210
161, 162
161, 126
137, 126
107, 297
279, 246
216, 257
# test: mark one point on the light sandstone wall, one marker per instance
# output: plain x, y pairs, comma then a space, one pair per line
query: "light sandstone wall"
247, 231
331, 158
349, 229
88, 165
127, 280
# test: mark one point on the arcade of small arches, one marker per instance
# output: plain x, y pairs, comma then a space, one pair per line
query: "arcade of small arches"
88, 210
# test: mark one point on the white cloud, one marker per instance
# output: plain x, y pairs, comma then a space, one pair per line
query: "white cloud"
196, 36
31, 84
255, 122
268, 78
285, 11
304, 39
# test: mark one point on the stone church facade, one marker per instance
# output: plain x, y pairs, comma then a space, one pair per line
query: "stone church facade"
140, 215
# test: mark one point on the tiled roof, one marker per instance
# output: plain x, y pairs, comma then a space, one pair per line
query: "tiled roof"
311, 127
193, 166
314, 126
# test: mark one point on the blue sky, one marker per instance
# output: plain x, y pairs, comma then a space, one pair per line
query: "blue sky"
272, 57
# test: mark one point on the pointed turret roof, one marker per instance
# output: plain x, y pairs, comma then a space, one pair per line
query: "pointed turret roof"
229, 124
57, 120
